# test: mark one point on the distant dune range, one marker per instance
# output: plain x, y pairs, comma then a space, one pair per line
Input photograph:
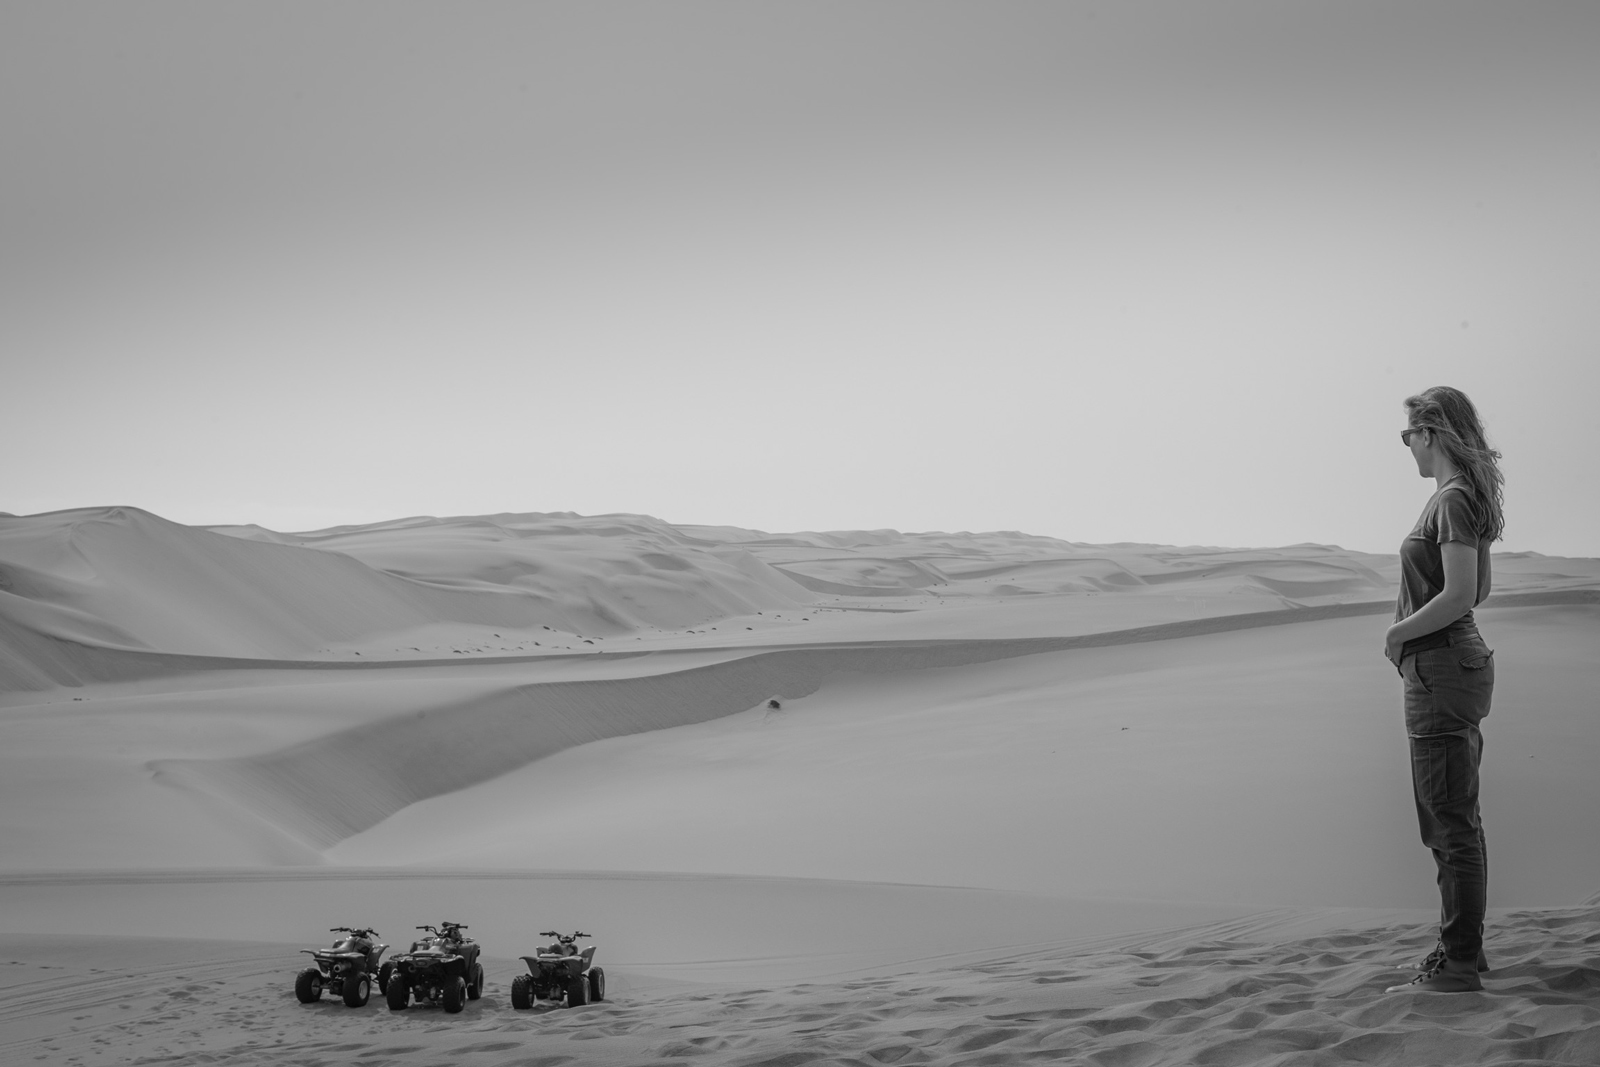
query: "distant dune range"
79, 590
120, 578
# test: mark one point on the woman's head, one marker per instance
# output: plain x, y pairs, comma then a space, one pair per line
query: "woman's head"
1453, 426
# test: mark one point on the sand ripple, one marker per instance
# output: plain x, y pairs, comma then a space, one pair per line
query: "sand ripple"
1213, 996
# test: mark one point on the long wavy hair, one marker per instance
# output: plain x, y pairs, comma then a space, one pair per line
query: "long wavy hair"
1448, 414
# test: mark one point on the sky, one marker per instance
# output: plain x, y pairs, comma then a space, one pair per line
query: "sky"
1101, 271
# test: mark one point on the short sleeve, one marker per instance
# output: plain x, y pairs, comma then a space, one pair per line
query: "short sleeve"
1457, 519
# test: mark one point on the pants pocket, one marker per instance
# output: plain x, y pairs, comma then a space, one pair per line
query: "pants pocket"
1416, 674
1478, 661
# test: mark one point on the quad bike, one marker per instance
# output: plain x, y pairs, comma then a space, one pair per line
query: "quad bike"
345, 970
558, 970
442, 968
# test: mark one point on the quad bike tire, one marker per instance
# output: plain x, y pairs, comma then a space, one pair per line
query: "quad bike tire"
398, 994
455, 994
308, 986
384, 974
522, 992
356, 988
577, 991
475, 987
597, 984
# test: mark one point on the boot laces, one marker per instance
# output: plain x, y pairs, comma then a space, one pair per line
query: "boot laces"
1432, 967
1432, 962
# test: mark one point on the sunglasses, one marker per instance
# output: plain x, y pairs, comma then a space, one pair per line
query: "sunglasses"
1405, 435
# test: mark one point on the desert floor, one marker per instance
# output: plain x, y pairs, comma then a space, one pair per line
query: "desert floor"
855, 798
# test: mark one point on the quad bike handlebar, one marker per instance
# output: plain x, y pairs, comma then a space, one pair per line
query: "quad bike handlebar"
358, 931
563, 937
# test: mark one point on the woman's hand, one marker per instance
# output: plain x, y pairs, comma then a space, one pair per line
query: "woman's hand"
1392, 644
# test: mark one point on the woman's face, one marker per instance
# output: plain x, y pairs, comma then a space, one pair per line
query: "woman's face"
1421, 450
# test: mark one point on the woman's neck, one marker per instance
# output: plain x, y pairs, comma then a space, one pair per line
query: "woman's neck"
1443, 471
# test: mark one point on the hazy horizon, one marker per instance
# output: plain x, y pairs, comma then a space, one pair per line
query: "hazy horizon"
446, 518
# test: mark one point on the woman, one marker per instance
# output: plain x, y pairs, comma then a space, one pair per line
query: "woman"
1448, 670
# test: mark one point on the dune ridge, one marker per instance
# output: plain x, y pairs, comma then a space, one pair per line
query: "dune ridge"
327, 789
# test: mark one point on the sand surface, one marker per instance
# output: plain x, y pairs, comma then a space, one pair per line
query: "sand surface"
1246, 991
1021, 799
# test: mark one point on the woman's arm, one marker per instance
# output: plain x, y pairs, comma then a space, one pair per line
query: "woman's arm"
1458, 597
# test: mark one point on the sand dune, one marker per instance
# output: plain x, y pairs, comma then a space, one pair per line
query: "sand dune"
1206, 767
1170, 784
324, 790
414, 760
121, 578
458, 760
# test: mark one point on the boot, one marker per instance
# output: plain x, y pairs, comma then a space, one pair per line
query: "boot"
1431, 960
1445, 976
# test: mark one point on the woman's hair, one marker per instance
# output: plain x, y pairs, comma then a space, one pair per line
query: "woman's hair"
1448, 414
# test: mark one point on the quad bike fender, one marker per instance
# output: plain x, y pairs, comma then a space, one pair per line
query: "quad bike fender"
446, 965
331, 962
564, 965
549, 964
588, 956
336, 957
326, 960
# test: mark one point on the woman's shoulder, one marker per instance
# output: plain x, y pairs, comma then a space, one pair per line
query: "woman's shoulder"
1455, 509
1451, 505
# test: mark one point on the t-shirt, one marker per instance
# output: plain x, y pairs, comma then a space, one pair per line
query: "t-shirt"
1450, 515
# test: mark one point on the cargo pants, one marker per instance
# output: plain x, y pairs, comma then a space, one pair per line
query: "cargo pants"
1448, 688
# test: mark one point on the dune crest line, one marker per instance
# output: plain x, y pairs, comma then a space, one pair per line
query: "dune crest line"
40, 661
321, 791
